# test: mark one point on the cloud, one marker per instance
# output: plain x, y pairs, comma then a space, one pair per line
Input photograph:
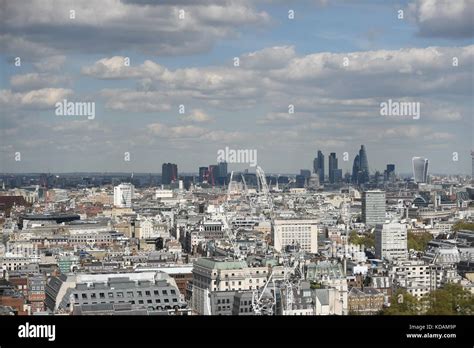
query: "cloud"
110, 25
370, 74
442, 18
33, 81
43, 98
52, 63
134, 101
197, 116
165, 131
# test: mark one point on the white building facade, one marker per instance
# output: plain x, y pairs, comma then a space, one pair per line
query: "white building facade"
303, 232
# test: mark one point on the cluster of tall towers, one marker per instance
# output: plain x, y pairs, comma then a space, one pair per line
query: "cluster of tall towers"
334, 173
360, 168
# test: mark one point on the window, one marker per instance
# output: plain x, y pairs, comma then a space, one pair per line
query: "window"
173, 292
218, 301
158, 300
75, 296
140, 293
165, 292
119, 294
129, 293
156, 292
166, 300
149, 301
147, 293
140, 301
93, 295
111, 294
175, 299
84, 296
101, 295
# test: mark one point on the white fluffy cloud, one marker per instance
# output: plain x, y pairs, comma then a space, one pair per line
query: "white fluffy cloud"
444, 18
314, 82
111, 25
33, 81
43, 98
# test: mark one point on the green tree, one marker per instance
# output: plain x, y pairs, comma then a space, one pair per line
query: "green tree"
418, 241
402, 303
463, 225
451, 299
367, 239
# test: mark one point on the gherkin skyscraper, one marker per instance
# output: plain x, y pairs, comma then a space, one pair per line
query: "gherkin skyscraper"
364, 165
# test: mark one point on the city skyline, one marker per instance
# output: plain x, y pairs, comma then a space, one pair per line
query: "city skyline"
181, 85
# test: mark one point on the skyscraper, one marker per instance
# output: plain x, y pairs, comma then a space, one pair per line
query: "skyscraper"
123, 195
213, 174
373, 207
169, 173
305, 172
364, 165
360, 168
420, 169
389, 172
334, 175
356, 170
320, 166
203, 171
222, 172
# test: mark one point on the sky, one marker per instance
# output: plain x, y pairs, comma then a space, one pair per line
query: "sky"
311, 75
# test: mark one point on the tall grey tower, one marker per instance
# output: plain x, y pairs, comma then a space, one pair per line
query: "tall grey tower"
320, 166
420, 169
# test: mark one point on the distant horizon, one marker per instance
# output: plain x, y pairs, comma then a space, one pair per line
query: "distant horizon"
403, 174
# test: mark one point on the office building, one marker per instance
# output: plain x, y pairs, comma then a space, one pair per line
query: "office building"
318, 166
300, 181
389, 173
123, 195
305, 172
203, 173
391, 241
213, 174
153, 290
335, 174
222, 173
420, 169
169, 173
296, 232
214, 275
373, 207
360, 168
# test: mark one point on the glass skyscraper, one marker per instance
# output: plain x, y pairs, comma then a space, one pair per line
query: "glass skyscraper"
320, 166
360, 168
420, 169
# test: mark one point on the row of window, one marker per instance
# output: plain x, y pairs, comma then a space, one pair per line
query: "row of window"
93, 295
174, 300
